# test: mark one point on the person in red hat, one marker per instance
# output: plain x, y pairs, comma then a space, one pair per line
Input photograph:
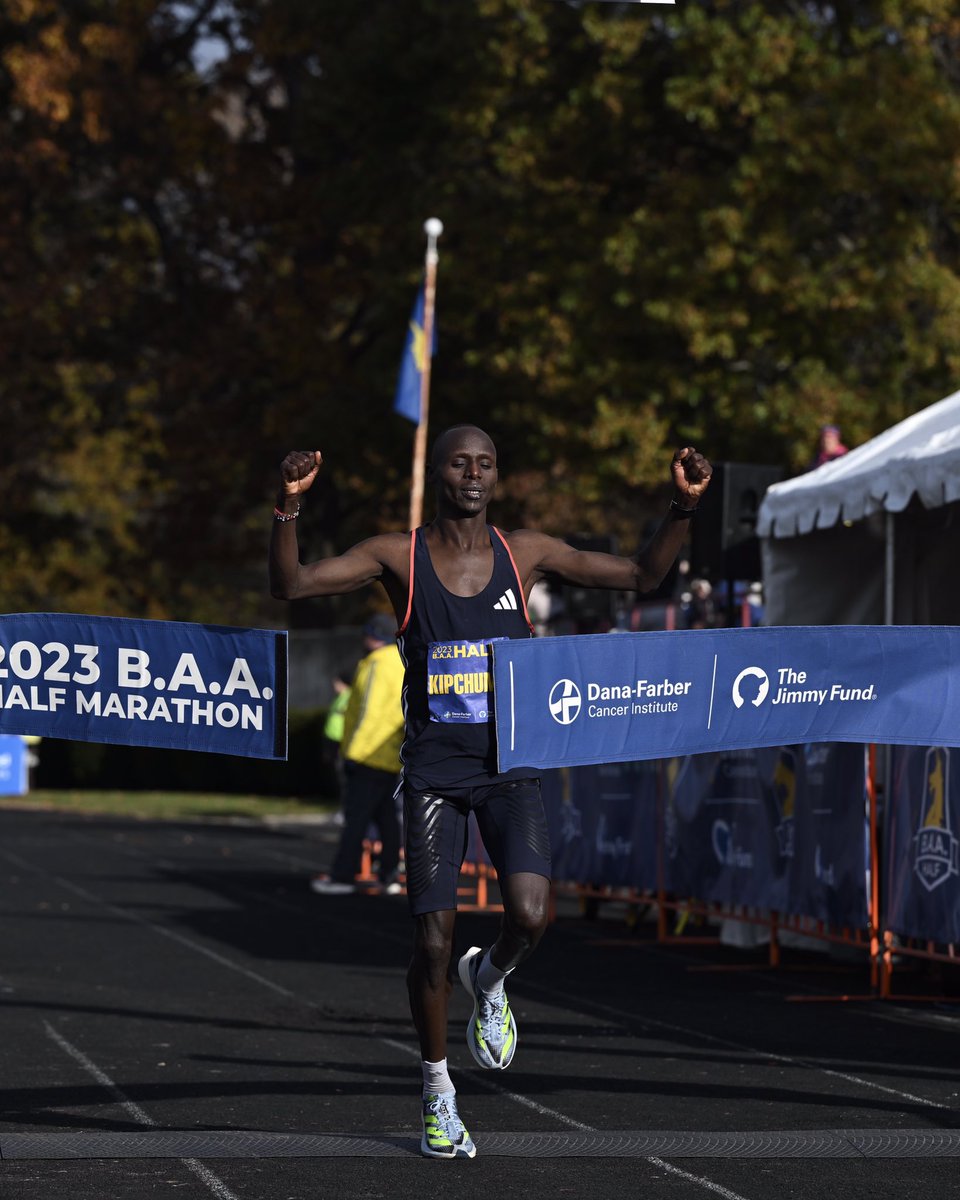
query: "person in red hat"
829, 446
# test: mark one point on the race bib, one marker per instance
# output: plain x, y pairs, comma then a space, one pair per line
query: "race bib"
458, 682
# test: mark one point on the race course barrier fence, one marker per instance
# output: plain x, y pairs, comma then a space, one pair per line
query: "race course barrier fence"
779, 836
746, 788
784, 838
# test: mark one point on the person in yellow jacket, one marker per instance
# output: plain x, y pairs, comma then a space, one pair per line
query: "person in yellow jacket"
370, 752
333, 733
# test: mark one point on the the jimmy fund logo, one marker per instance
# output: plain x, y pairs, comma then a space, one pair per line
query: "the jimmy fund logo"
935, 855
790, 685
762, 689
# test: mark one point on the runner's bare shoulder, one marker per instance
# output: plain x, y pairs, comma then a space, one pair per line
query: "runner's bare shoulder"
392, 551
531, 549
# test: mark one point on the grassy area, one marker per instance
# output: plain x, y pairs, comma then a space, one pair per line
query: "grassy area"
171, 806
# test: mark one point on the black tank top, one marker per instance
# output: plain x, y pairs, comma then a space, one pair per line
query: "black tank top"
446, 695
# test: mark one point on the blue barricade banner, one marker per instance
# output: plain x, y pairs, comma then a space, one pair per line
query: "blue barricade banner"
603, 824
720, 835
13, 765
829, 875
781, 829
922, 854
778, 828
565, 701
144, 683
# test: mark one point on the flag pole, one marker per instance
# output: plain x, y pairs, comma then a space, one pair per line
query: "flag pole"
433, 228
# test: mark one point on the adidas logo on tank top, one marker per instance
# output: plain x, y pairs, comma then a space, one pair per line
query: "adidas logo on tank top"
507, 600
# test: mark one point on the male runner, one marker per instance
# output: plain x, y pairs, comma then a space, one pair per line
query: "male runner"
455, 585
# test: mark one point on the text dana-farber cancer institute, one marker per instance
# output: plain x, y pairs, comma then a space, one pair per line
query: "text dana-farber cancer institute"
646, 697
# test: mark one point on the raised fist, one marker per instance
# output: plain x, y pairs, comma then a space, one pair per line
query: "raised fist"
298, 471
691, 473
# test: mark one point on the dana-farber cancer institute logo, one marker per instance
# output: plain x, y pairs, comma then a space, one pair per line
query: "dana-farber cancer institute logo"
628, 698
565, 702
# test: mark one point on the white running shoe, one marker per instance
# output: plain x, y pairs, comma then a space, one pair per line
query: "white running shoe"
444, 1134
491, 1031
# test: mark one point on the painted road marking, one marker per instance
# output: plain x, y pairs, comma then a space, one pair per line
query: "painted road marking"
213, 1182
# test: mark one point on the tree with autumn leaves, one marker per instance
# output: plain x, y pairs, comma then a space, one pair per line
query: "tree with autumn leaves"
718, 223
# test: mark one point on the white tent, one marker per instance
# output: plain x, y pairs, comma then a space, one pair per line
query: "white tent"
867, 538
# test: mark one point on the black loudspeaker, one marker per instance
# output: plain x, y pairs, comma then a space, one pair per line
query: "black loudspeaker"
723, 540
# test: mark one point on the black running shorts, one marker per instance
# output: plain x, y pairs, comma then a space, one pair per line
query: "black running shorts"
512, 824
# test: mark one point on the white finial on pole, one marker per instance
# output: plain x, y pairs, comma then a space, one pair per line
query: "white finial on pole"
432, 227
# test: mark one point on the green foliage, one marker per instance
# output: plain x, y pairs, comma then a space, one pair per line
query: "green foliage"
720, 224
168, 806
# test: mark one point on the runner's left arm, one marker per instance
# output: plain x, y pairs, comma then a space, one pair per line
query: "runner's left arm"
544, 555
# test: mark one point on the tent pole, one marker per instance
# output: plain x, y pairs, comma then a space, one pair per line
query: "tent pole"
889, 593
886, 758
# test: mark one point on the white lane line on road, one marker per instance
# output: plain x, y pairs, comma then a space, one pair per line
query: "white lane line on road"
140, 1115
228, 963
163, 931
741, 1047
366, 930
544, 1111
191, 875
173, 935
699, 1179
490, 1086
552, 993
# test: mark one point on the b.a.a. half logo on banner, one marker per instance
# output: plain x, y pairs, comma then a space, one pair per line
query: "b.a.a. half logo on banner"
936, 847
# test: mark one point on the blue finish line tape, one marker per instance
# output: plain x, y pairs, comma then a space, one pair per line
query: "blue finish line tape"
168, 684
623, 697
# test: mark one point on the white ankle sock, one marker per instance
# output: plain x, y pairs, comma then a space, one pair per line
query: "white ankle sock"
436, 1078
490, 978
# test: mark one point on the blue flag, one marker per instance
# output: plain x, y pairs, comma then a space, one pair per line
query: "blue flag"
406, 402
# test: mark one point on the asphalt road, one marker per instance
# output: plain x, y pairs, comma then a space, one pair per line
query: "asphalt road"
183, 1017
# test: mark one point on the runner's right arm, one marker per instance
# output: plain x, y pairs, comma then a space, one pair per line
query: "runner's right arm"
363, 563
